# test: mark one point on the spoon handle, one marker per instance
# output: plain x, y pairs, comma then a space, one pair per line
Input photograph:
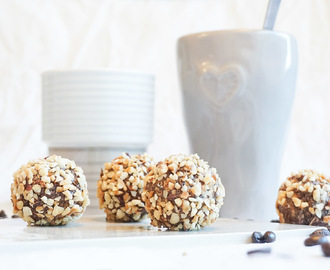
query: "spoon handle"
271, 14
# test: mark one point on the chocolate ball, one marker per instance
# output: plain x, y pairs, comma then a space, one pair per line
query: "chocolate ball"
304, 199
49, 191
183, 193
120, 186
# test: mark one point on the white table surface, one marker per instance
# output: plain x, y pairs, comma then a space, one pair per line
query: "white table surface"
92, 243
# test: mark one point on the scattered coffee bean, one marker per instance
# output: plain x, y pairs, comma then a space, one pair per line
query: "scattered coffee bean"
275, 221
14, 216
322, 232
326, 249
263, 250
315, 240
257, 237
3, 214
269, 237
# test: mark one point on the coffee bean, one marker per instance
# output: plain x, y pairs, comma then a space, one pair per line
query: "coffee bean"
315, 240
275, 221
269, 237
257, 237
3, 214
322, 232
326, 249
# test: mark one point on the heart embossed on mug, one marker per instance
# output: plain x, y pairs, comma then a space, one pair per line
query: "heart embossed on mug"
222, 85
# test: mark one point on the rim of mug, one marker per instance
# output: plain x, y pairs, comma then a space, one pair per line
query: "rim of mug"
114, 71
243, 30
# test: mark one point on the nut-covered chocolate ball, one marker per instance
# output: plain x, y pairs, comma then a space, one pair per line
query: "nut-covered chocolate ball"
304, 199
49, 191
120, 186
183, 193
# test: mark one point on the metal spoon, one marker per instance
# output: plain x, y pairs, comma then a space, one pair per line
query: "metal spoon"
271, 14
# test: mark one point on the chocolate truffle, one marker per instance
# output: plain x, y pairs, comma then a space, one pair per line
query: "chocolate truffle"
304, 199
49, 191
120, 186
183, 193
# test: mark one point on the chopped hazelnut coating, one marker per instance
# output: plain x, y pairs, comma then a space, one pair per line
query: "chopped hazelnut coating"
304, 199
49, 191
120, 185
183, 193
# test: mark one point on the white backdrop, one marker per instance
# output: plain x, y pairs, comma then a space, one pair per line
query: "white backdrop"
39, 35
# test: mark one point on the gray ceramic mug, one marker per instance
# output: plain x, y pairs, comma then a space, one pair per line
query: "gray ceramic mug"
238, 87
